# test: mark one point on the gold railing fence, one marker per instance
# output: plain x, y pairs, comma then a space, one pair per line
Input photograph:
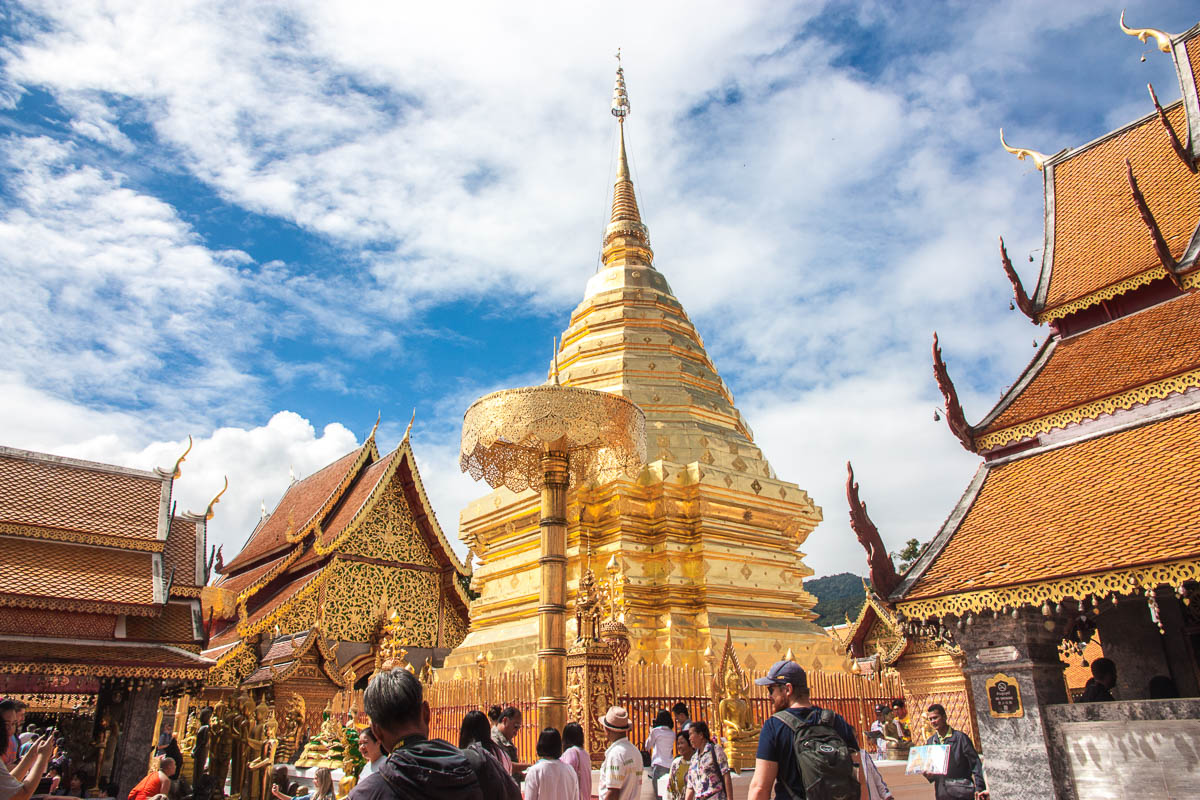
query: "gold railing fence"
451, 700
651, 688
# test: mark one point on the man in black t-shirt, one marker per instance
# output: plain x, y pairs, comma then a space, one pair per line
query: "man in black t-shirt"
775, 762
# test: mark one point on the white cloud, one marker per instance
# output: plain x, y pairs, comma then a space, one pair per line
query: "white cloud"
817, 217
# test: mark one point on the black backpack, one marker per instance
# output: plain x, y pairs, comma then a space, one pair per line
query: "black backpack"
823, 758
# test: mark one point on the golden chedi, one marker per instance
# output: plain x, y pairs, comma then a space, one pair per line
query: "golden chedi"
706, 539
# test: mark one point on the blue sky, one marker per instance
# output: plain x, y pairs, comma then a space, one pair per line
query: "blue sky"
262, 225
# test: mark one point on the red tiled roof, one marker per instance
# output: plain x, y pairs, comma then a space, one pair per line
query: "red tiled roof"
1119, 500
282, 648
300, 503
100, 658
43, 491
354, 499
265, 673
64, 575
1132, 351
179, 554
237, 583
1099, 237
280, 597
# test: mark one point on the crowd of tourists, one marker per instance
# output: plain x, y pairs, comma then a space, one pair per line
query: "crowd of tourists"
803, 752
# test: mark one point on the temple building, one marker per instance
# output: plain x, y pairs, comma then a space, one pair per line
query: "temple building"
707, 539
101, 599
300, 612
1082, 517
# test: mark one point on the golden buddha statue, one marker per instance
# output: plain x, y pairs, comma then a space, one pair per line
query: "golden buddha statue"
737, 722
256, 737
258, 771
293, 729
326, 748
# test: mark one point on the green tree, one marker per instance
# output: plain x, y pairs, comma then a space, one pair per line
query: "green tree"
838, 597
908, 555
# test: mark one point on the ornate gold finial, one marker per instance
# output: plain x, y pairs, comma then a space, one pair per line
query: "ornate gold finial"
208, 512
176, 471
626, 239
375, 427
411, 420
620, 101
1163, 39
1039, 159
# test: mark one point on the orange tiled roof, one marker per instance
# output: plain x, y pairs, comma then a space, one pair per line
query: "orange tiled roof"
300, 503
1099, 238
65, 494
1129, 352
44, 622
1118, 500
179, 554
102, 659
354, 499
47, 574
172, 626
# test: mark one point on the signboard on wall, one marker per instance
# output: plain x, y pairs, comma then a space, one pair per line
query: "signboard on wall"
1004, 696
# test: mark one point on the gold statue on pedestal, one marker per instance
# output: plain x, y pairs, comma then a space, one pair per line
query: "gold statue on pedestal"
264, 742
293, 729
733, 709
591, 680
326, 748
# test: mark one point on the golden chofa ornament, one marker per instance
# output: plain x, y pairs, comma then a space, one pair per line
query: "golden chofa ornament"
1039, 159
1163, 40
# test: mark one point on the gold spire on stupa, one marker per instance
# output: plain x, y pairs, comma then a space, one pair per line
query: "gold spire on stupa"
626, 239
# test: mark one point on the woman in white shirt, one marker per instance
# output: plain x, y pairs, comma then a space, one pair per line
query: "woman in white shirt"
549, 778
660, 744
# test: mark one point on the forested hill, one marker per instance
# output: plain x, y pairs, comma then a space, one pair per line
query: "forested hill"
838, 596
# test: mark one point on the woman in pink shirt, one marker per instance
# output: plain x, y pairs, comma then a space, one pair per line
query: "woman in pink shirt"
577, 758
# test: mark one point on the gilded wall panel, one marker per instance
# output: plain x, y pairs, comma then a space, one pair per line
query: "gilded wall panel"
454, 626
389, 532
354, 594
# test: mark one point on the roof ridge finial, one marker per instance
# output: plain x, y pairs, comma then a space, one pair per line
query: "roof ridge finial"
626, 240
554, 363
411, 420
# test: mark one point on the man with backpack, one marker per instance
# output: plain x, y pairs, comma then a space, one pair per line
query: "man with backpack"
417, 767
804, 752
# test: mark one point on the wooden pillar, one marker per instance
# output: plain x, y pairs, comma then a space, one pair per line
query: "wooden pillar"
552, 606
137, 737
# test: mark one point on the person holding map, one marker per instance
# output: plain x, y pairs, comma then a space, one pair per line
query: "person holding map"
963, 779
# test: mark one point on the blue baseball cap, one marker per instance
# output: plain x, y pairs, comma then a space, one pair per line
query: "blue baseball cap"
783, 672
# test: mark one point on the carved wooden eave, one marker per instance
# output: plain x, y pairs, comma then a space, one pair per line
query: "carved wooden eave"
954, 411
